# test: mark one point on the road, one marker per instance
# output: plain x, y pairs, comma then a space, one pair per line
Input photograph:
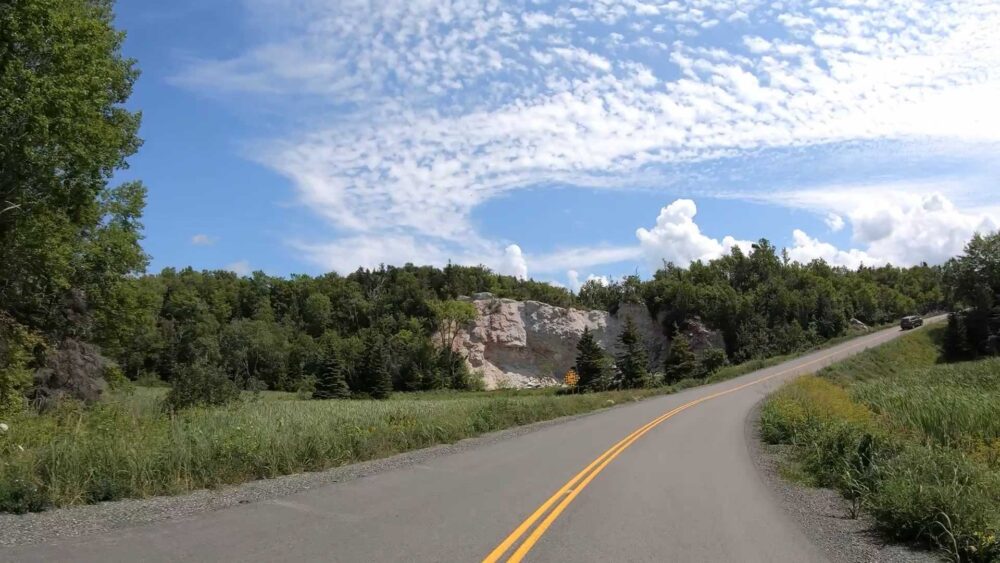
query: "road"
666, 479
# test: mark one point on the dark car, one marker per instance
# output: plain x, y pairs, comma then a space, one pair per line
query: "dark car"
912, 321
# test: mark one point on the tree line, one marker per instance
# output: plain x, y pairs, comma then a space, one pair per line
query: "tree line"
77, 309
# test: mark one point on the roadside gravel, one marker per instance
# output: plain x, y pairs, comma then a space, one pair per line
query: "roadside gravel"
823, 514
36, 527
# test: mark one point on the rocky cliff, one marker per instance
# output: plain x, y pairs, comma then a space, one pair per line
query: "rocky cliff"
530, 344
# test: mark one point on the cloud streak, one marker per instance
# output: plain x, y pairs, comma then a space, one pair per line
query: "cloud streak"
433, 108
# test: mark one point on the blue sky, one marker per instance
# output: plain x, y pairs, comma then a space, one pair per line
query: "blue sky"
562, 140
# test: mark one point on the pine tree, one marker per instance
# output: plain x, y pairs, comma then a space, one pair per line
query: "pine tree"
632, 362
956, 339
591, 364
375, 375
681, 362
332, 384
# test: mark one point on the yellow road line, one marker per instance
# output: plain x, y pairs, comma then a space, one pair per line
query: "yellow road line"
574, 486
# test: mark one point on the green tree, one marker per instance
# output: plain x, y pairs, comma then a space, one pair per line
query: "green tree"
632, 362
375, 375
956, 339
331, 383
681, 362
591, 364
201, 384
64, 131
317, 313
711, 361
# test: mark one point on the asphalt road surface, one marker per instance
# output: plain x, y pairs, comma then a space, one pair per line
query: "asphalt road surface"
666, 479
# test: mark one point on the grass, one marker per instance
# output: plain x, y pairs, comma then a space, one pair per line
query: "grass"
129, 447
913, 442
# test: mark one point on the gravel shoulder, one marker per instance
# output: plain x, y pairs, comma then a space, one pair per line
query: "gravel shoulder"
76, 521
823, 514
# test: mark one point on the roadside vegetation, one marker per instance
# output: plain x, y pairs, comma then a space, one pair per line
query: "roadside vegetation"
911, 441
910, 432
81, 321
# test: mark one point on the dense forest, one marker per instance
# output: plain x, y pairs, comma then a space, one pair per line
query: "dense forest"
76, 308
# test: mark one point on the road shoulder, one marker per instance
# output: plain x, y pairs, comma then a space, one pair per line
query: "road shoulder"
823, 514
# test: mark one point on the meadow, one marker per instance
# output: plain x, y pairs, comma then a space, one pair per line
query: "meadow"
911, 441
130, 446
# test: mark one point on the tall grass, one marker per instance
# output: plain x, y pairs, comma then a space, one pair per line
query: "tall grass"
132, 448
913, 442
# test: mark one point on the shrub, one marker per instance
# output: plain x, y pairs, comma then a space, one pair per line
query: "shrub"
201, 384
74, 370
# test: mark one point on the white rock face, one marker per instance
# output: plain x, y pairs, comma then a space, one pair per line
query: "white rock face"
531, 344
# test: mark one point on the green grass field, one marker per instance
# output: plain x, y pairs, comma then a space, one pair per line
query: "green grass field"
130, 447
913, 442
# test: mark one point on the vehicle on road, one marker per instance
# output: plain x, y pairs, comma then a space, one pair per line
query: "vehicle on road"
911, 321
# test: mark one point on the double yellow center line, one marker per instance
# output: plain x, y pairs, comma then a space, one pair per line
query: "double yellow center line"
565, 495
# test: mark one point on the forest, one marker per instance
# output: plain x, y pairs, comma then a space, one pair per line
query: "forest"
78, 312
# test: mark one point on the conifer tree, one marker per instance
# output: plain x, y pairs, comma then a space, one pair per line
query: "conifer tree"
632, 362
681, 362
332, 384
591, 364
375, 369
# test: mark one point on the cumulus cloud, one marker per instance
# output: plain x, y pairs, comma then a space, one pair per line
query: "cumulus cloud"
677, 238
893, 223
514, 263
834, 222
807, 249
575, 283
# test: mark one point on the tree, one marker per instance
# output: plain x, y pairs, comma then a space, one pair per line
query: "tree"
65, 131
956, 339
591, 364
331, 383
375, 376
201, 384
451, 316
681, 362
711, 361
316, 313
632, 362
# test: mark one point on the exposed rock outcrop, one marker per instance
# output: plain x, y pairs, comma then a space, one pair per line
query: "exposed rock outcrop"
530, 344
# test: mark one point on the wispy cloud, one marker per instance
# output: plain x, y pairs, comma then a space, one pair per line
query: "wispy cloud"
202, 239
433, 108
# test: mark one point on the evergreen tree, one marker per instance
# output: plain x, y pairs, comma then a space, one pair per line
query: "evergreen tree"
632, 362
332, 384
956, 339
681, 362
591, 364
375, 375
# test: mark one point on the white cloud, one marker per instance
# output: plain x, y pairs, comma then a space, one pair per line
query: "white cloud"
202, 240
807, 249
677, 238
240, 268
585, 257
834, 222
514, 263
429, 109
902, 224
575, 283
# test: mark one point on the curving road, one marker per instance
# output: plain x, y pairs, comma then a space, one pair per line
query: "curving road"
666, 479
